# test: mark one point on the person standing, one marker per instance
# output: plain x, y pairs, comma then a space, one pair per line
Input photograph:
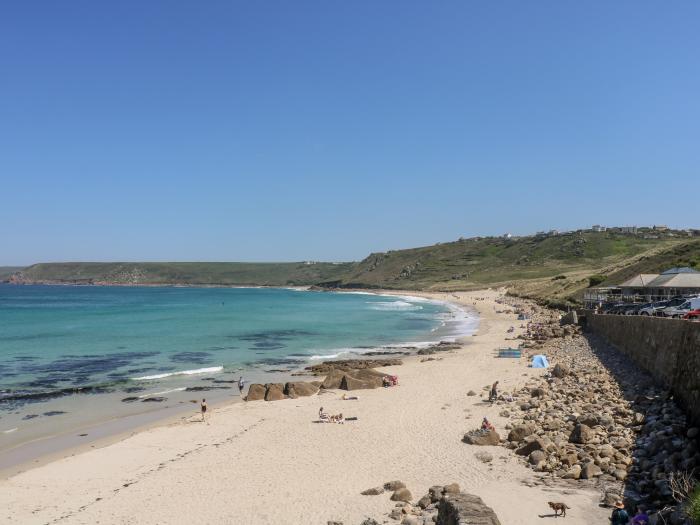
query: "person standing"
493, 395
203, 407
619, 515
241, 384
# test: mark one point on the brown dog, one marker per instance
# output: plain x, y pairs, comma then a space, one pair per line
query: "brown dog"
556, 507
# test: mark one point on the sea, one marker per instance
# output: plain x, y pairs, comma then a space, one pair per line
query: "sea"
124, 349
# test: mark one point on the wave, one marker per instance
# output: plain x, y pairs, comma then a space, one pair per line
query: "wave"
162, 393
208, 370
394, 305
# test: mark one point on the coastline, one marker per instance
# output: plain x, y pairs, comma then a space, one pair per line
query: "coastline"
115, 421
222, 471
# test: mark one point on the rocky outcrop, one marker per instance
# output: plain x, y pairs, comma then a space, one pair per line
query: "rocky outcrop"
301, 389
327, 367
274, 391
256, 392
465, 509
482, 438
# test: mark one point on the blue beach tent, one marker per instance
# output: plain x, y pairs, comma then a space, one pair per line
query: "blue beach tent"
540, 361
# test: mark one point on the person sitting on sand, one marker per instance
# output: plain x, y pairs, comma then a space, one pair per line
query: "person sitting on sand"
322, 415
486, 425
619, 515
641, 518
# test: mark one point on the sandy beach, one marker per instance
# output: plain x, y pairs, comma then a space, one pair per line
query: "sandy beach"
269, 462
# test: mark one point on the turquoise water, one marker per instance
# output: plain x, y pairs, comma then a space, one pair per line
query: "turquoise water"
56, 339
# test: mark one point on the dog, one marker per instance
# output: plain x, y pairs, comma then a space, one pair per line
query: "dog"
556, 507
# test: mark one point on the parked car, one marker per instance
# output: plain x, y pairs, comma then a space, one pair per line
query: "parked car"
653, 308
682, 309
693, 315
672, 303
634, 309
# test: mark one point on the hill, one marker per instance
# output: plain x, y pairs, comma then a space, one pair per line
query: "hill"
553, 268
185, 273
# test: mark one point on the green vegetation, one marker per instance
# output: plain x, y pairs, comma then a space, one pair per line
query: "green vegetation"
595, 280
194, 273
693, 505
554, 269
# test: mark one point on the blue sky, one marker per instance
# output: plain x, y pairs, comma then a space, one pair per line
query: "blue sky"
327, 130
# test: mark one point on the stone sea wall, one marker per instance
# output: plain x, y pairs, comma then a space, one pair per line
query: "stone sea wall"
669, 349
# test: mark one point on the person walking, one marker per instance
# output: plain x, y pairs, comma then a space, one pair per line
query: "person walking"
203, 407
619, 514
241, 384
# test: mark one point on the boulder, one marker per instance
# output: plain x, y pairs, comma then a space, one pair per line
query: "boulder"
573, 473
361, 379
375, 491
535, 443
274, 392
482, 437
256, 392
394, 485
471, 393
520, 432
582, 434
300, 389
465, 509
536, 457
452, 488
333, 379
560, 370
590, 470
402, 494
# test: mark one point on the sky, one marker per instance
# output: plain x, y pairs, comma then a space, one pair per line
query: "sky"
286, 131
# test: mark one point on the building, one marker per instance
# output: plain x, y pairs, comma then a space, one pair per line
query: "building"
672, 282
660, 228
598, 228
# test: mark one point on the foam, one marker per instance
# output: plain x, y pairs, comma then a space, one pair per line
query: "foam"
207, 370
394, 305
162, 393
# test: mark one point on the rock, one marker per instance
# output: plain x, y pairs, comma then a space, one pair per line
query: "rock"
582, 434
402, 494
471, 393
452, 488
362, 379
333, 379
482, 437
560, 370
536, 457
300, 389
520, 432
334, 523
154, 399
375, 491
573, 473
370, 521
536, 443
435, 492
274, 392
394, 485
256, 392
424, 501
538, 392
483, 456
410, 520
465, 509
620, 474
590, 471
692, 433
326, 367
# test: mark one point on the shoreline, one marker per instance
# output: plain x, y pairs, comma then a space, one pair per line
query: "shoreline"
411, 432
38, 450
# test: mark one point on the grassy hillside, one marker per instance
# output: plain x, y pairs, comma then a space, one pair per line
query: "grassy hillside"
551, 268
265, 274
555, 268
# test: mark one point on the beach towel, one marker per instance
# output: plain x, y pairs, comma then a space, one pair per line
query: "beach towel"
540, 361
